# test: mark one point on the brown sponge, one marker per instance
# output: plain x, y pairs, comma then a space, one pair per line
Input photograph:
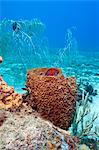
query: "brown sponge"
52, 95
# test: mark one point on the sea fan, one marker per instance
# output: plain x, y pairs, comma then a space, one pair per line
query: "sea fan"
68, 54
24, 41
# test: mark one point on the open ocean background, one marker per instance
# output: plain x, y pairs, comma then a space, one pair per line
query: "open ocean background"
58, 15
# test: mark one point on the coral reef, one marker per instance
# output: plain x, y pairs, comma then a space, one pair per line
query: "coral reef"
83, 123
8, 98
52, 95
25, 129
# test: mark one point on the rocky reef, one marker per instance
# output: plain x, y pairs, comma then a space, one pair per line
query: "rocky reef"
52, 95
26, 130
9, 99
36, 119
21, 127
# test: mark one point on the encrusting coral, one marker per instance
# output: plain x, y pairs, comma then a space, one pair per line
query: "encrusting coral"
8, 98
52, 95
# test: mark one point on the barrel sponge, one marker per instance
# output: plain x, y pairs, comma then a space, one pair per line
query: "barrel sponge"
52, 95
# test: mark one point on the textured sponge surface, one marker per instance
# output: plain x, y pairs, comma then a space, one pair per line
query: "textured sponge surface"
53, 96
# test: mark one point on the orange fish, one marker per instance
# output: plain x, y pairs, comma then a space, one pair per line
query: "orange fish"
52, 72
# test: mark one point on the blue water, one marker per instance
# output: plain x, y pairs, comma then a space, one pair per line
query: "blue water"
58, 15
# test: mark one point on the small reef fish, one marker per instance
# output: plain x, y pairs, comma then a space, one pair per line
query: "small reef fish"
14, 26
1, 59
52, 72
